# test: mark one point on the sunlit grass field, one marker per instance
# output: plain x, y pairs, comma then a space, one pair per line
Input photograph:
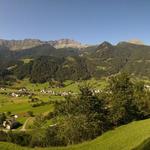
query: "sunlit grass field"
20, 105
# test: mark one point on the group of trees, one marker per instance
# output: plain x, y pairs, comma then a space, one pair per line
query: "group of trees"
23, 70
5, 77
81, 118
88, 115
20, 138
46, 68
128, 100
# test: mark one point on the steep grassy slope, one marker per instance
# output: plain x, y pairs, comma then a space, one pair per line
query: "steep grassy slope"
125, 137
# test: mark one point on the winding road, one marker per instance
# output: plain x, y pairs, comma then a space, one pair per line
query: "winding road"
24, 125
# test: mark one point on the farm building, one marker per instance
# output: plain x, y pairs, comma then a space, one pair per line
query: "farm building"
11, 123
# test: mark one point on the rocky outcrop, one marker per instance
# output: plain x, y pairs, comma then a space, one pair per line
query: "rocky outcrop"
66, 43
16, 45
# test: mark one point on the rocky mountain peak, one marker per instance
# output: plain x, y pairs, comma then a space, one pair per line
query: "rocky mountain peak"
66, 43
105, 45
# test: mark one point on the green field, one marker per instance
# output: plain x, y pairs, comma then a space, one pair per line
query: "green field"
20, 105
69, 85
126, 137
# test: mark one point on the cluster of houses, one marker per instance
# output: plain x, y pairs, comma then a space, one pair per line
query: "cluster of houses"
21, 92
2, 89
44, 91
50, 92
11, 123
15, 94
54, 93
96, 91
25, 92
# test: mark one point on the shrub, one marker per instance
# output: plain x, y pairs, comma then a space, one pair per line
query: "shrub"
3, 136
20, 138
30, 113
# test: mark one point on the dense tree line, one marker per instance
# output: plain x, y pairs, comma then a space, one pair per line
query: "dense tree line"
48, 68
81, 118
128, 100
44, 69
6, 77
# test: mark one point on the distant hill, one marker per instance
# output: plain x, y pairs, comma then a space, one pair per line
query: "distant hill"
136, 41
108, 59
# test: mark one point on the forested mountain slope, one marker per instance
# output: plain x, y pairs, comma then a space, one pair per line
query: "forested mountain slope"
80, 63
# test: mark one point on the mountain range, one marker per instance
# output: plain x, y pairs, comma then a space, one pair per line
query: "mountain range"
16, 45
74, 60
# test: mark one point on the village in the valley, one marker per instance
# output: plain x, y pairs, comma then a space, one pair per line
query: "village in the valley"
10, 119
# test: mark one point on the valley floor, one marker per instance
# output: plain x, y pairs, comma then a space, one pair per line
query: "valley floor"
21, 105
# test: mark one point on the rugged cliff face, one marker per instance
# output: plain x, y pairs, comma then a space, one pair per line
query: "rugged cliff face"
16, 45
66, 43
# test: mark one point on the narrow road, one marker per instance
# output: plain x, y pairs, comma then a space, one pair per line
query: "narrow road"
24, 125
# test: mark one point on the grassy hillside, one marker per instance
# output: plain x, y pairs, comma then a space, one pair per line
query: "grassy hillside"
126, 137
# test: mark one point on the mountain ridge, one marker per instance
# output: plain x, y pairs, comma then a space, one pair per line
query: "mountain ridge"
97, 61
17, 45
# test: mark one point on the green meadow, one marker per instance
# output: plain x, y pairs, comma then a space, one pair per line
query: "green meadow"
20, 105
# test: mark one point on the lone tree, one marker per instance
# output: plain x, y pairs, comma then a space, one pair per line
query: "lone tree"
124, 108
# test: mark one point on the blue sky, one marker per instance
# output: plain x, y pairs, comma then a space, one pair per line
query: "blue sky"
88, 21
